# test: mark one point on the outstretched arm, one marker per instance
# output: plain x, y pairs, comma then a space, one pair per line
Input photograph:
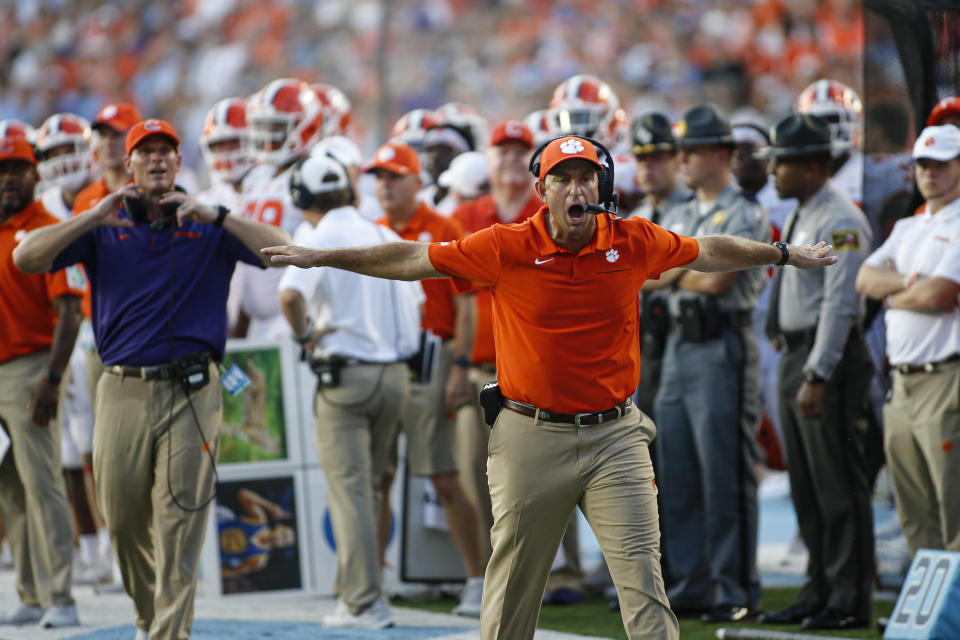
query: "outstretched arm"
393, 260
733, 253
37, 251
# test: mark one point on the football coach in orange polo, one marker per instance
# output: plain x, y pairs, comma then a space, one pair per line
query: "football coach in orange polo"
565, 286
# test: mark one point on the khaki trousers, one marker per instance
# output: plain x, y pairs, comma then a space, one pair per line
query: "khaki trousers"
356, 423
922, 441
33, 498
539, 471
424, 421
144, 464
470, 451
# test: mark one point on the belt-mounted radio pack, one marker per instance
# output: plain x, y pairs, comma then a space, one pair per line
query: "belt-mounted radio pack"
491, 400
327, 371
193, 370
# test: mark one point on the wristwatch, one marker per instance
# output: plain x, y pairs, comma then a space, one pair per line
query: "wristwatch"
222, 212
462, 361
810, 377
784, 253
52, 376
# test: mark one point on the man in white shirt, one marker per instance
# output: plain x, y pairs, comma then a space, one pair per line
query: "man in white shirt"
917, 273
364, 329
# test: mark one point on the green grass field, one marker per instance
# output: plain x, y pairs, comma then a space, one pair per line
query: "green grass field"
592, 617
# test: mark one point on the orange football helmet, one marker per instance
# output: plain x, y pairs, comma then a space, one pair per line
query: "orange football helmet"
63, 151
585, 105
285, 119
839, 105
227, 120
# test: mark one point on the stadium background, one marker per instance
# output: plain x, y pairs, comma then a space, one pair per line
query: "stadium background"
174, 59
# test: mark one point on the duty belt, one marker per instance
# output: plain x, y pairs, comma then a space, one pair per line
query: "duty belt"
927, 367
795, 339
585, 419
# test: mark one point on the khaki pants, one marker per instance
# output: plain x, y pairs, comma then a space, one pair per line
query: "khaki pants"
539, 471
150, 473
33, 498
922, 442
470, 451
356, 422
428, 429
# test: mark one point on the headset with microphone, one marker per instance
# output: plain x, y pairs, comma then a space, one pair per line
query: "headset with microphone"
303, 197
609, 199
136, 208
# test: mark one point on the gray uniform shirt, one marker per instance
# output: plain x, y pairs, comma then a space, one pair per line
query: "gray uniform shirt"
735, 214
679, 196
825, 298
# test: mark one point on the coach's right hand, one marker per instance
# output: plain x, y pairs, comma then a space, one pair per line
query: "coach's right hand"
107, 211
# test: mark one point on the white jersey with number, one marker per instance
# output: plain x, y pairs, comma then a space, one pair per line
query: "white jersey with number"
266, 198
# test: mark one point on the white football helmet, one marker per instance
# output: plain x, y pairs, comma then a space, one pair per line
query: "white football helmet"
336, 107
17, 129
63, 151
412, 126
467, 119
840, 106
584, 105
285, 119
227, 120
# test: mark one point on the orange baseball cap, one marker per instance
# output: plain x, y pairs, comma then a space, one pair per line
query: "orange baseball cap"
119, 117
511, 131
396, 157
17, 148
148, 128
566, 148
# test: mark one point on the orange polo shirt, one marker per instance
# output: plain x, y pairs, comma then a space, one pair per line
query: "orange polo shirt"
565, 324
475, 215
27, 317
427, 225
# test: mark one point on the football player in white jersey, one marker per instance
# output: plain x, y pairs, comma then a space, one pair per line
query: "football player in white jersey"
285, 119
585, 105
63, 144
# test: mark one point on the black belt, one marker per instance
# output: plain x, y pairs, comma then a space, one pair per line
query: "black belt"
585, 419
927, 367
156, 372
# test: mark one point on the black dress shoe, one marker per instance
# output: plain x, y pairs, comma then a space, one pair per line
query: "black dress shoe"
790, 615
726, 614
833, 619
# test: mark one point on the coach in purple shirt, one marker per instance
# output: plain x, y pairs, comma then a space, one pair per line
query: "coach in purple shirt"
159, 264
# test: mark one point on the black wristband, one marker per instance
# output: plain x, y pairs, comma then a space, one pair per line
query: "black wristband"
784, 253
52, 376
811, 377
222, 212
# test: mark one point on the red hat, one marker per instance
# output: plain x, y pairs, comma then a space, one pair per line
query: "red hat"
566, 148
149, 128
396, 157
17, 148
511, 131
119, 117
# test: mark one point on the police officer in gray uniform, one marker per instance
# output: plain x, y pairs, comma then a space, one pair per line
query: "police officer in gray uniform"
655, 151
823, 384
708, 403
